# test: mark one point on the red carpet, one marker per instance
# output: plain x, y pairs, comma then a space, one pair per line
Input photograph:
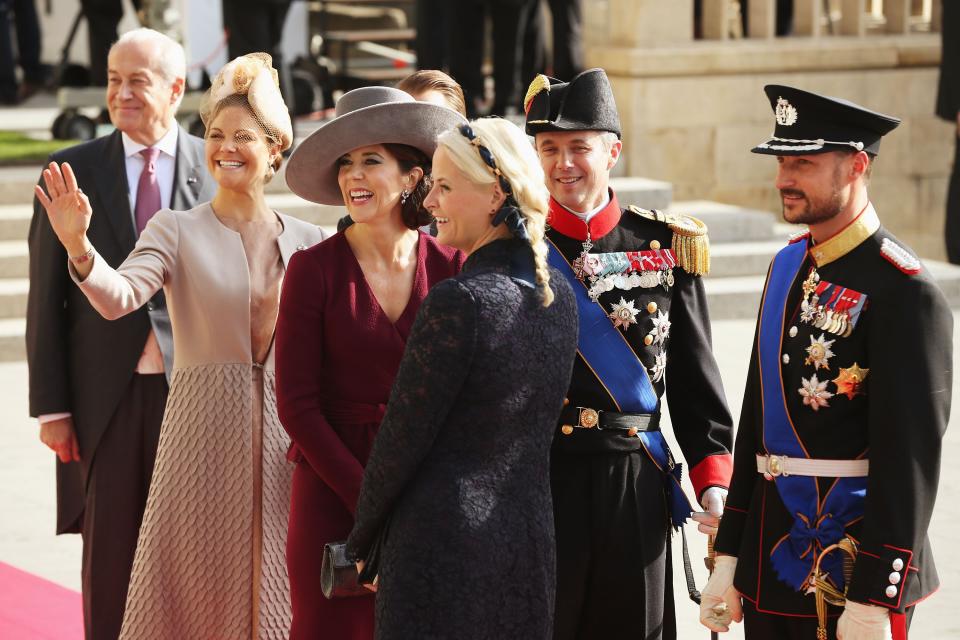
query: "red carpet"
32, 608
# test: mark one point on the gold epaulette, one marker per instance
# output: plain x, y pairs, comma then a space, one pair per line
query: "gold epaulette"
690, 242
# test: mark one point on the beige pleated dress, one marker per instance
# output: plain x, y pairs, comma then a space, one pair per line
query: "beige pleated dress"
210, 558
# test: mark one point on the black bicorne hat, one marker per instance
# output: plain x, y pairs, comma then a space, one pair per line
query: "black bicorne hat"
807, 123
584, 104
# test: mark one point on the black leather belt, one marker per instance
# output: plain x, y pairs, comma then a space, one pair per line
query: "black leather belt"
586, 418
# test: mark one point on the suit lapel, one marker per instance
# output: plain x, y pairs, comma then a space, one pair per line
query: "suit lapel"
112, 185
188, 173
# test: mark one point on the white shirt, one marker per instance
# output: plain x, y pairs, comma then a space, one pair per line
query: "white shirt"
589, 214
166, 163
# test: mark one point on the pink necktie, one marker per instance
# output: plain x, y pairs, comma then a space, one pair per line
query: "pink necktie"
148, 190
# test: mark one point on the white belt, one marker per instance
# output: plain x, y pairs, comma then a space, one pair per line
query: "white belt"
783, 466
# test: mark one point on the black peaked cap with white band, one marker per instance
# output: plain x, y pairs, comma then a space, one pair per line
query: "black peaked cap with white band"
807, 123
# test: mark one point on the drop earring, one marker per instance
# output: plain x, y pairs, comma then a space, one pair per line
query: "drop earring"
403, 196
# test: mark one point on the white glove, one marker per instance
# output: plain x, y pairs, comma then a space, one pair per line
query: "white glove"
719, 600
864, 622
712, 501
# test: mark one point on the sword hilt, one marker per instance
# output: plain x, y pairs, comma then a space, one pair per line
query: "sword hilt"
711, 558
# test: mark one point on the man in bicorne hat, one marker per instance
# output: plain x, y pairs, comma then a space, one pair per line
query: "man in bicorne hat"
643, 321
847, 399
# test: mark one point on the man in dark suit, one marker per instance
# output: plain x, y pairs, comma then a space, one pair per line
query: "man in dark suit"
98, 387
847, 399
948, 108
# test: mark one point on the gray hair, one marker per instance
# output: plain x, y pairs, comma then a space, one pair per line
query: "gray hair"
169, 57
609, 139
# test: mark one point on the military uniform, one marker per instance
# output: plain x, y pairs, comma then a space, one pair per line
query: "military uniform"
643, 322
853, 351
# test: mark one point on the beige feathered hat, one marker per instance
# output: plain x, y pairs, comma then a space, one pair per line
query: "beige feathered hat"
251, 78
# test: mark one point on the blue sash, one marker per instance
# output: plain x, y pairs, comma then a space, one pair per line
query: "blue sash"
817, 523
617, 367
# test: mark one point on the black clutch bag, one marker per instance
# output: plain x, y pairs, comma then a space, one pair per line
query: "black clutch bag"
338, 574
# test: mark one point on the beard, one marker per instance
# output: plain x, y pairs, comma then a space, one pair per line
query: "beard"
815, 210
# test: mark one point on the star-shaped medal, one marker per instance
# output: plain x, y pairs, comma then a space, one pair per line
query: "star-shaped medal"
661, 327
814, 392
624, 313
850, 381
819, 353
659, 366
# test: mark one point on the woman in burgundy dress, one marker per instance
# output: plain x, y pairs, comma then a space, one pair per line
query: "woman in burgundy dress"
347, 307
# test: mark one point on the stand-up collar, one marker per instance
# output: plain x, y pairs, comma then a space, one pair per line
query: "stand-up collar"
847, 239
567, 223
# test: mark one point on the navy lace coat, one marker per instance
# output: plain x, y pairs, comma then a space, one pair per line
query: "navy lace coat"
461, 464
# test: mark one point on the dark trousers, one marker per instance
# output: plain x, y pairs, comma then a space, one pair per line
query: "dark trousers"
534, 60
22, 16
567, 38
117, 489
614, 578
433, 34
466, 59
102, 16
952, 230
256, 26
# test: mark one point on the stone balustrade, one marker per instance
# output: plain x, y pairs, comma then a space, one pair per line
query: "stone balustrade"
691, 109
721, 18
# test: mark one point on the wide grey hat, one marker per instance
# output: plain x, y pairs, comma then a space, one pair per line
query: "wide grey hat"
365, 116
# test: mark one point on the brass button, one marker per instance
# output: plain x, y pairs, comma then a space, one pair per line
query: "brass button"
654, 244
648, 339
566, 401
632, 431
589, 418
566, 429
652, 307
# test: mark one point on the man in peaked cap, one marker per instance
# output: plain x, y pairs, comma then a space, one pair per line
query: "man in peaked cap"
643, 320
847, 399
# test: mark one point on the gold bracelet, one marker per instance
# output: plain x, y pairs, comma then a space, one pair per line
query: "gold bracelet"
83, 257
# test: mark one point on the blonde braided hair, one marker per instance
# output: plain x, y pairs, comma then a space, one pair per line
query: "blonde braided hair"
516, 162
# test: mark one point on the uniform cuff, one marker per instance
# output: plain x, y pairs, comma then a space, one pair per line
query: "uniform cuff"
881, 578
712, 471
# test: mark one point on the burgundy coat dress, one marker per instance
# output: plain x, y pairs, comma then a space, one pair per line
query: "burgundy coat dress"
337, 354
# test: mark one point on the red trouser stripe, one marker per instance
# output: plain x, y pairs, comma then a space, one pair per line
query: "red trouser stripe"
898, 624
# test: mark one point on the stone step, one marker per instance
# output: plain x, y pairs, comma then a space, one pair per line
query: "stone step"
15, 222
13, 297
733, 259
13, 346
14, 260
738, 297
730, 223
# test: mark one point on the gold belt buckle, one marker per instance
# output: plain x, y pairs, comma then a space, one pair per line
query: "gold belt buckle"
589, 418
775, 465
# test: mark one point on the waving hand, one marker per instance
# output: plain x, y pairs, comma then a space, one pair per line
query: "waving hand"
67, 207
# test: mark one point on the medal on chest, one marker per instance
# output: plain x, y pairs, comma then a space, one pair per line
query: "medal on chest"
580, 260
625, 270
830, 307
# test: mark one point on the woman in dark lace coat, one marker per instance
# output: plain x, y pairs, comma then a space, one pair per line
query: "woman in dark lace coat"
460, 467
